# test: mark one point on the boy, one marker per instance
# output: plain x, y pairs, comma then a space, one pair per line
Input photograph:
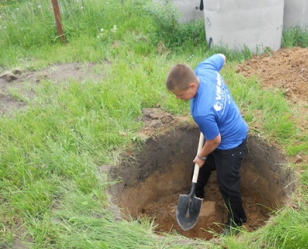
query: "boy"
225, 131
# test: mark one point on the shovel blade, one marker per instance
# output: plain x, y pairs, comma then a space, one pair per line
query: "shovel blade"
188, 211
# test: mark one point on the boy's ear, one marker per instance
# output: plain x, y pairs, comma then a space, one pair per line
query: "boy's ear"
193, 85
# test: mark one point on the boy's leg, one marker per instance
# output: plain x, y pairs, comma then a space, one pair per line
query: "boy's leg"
204, 174
228, 163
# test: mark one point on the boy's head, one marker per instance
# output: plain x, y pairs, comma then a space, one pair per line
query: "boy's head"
182, 81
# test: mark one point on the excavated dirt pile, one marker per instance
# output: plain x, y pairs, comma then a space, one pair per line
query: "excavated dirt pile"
286, 70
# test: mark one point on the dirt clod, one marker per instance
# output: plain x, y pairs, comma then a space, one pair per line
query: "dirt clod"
8, 76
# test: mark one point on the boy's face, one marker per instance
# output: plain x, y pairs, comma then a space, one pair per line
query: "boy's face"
187, 94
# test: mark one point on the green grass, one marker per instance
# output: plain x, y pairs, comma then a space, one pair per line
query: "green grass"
295, 37
286, 230
52, 194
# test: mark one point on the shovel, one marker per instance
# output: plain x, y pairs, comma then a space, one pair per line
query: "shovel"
188, 209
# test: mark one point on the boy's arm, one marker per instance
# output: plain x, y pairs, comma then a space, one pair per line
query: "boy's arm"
215, 62
209, 146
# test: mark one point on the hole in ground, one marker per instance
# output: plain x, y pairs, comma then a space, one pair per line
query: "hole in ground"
153, 177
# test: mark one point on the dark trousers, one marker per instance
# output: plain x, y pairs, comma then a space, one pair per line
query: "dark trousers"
227, 163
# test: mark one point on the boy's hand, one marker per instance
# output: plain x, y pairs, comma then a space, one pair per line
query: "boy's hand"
198, 161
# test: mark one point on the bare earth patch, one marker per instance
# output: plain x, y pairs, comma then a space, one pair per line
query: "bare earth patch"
24, 80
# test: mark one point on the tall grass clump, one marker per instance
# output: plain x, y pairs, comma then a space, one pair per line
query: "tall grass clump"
287, 230
35, 20
27, 24
30, 26
167, 29
295, 37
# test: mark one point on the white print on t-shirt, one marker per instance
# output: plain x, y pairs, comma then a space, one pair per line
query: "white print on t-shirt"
222, 95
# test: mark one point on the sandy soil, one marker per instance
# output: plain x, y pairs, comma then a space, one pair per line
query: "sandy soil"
287, 70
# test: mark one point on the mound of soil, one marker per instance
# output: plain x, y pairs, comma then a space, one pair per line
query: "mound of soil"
286, 69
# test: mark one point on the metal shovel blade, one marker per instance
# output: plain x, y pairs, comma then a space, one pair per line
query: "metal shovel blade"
188, 210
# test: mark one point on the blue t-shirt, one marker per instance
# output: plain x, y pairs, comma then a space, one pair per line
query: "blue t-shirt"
213, 107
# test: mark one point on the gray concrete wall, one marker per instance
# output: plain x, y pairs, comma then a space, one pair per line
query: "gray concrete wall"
188, 10
296, 14
233, 23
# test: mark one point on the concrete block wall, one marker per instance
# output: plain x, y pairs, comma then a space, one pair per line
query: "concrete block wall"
296, 14
188, 10
238, 24
255, 24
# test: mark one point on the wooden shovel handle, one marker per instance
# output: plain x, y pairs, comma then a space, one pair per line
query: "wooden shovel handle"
196, 171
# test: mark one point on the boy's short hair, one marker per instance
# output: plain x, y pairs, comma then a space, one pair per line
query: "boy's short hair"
179, 78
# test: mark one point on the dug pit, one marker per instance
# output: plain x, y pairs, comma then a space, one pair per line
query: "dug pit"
153, 176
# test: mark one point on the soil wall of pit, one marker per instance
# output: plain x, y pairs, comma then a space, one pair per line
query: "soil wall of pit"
152, 178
